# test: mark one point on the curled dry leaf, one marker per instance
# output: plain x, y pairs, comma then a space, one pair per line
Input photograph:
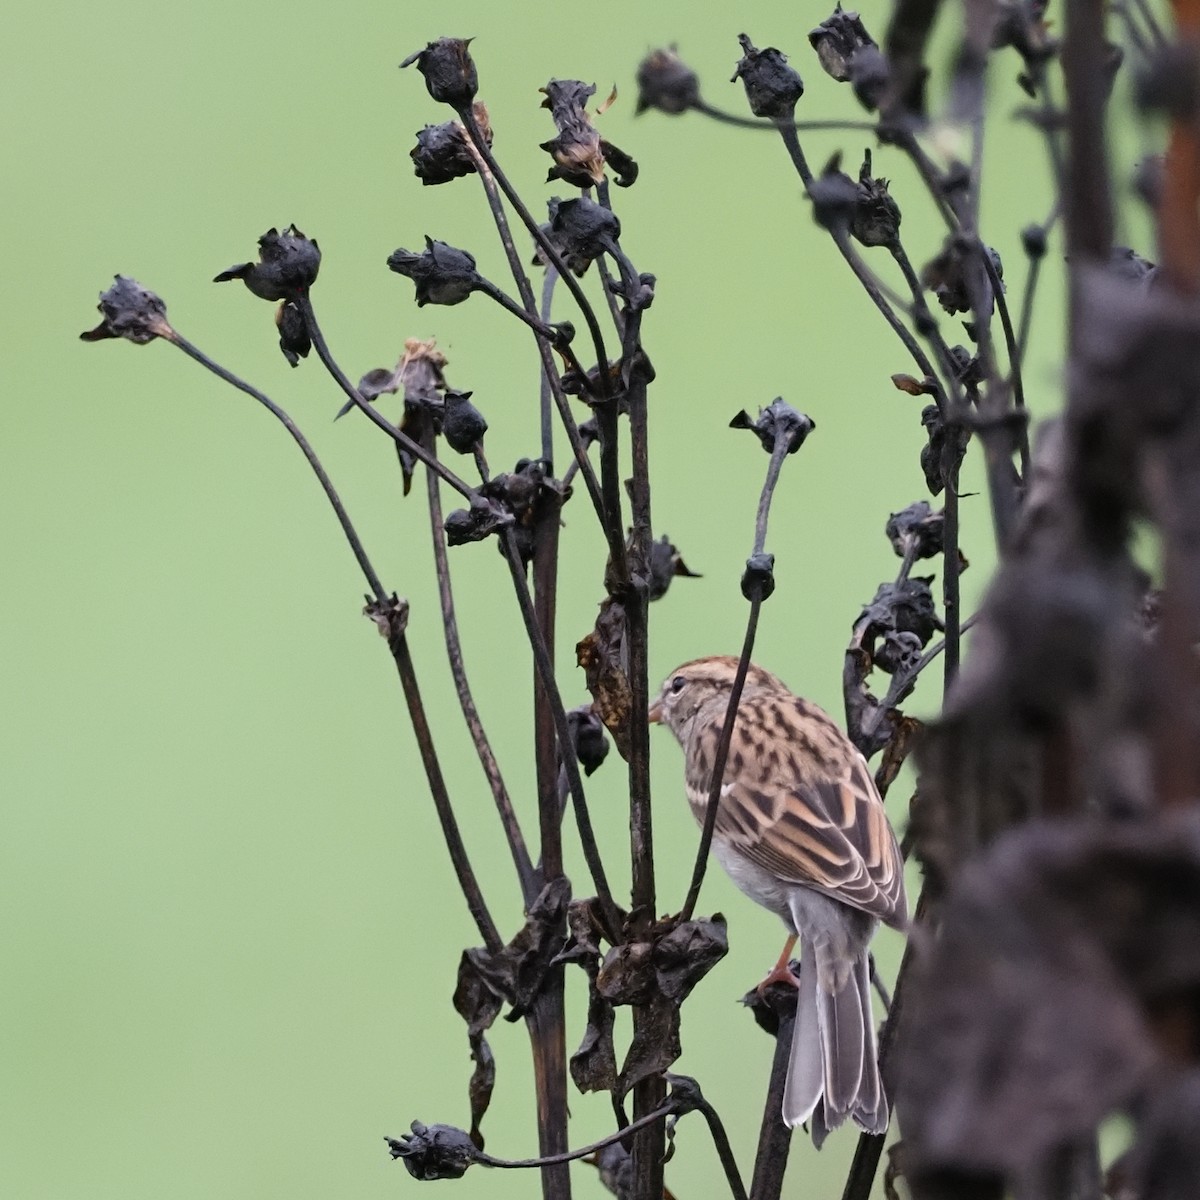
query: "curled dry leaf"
603, 657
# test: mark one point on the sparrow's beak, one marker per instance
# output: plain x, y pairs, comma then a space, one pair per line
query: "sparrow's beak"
654, 716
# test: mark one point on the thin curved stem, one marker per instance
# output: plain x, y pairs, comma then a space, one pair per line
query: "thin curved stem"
304, 304
360, 554
550, 376
842, 240
566, 749
467, 117
520, 1164
722, 755
728, 118
483, 747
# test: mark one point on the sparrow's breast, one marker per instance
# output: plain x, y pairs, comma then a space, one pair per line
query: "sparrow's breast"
761, 886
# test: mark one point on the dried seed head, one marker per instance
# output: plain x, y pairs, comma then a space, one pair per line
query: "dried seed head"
442, 273
287, 266
772, 87
131, 312
667, 83
449, 71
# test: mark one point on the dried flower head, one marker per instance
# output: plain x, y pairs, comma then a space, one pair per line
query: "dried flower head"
444, 152
442, 273
287, 266
580, 154
772, 87
667, 83
131, 312
449, 71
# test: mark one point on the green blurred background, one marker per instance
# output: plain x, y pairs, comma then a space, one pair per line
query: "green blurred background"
230, 926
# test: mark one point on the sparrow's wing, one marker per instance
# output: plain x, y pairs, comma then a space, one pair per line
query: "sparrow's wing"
799, 801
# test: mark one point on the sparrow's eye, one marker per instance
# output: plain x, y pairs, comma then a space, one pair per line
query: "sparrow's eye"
677, 685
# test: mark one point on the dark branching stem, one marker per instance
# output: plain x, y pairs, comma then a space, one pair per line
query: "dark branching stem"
397, 644
728, 118
612, 520
724, 1150
775, 1138
778, 454
1089, 215
360, 554
950, 585
904, 681
467, 117
841, 239
718, 775
545, 670
517, 1164
614, 533
483, 748
545, 391
304, 304
865, 1164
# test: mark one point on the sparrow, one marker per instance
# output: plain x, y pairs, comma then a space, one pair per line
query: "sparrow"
800, 829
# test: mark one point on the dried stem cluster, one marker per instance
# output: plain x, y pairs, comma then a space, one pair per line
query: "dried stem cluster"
1076, 706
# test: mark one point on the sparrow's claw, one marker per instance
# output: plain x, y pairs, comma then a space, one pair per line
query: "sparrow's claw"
781, 972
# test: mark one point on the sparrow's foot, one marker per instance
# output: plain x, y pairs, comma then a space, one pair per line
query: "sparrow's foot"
781, 972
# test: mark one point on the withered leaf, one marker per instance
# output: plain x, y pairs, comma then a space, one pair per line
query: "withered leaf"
478, 1005
658, 974
603, 656
594, 1064
514, 974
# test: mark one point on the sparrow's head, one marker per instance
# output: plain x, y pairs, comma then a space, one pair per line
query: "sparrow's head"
701, 688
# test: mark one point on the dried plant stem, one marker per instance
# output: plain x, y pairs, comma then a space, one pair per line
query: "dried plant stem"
550, 376
566, 749
397, 644
870, 1146
778, 454
304, 304
841, 239
546, 387
467, 117
1089, 215
483, 748
509, 1164
952, 614
360, 554
774, 1137
724, 1150
728, 118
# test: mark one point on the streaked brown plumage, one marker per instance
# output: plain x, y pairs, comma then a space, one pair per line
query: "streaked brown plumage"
800, 829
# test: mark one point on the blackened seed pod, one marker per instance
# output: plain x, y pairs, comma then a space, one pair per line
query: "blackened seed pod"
462, 423
917, 528
667, 83
442, 273
131, 312
293, 333
772, 87
449, 71
441, 154
838, 40
434, 1151
287, 266
877, 215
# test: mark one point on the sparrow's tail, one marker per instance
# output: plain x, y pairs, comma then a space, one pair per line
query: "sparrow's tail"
834, 1068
